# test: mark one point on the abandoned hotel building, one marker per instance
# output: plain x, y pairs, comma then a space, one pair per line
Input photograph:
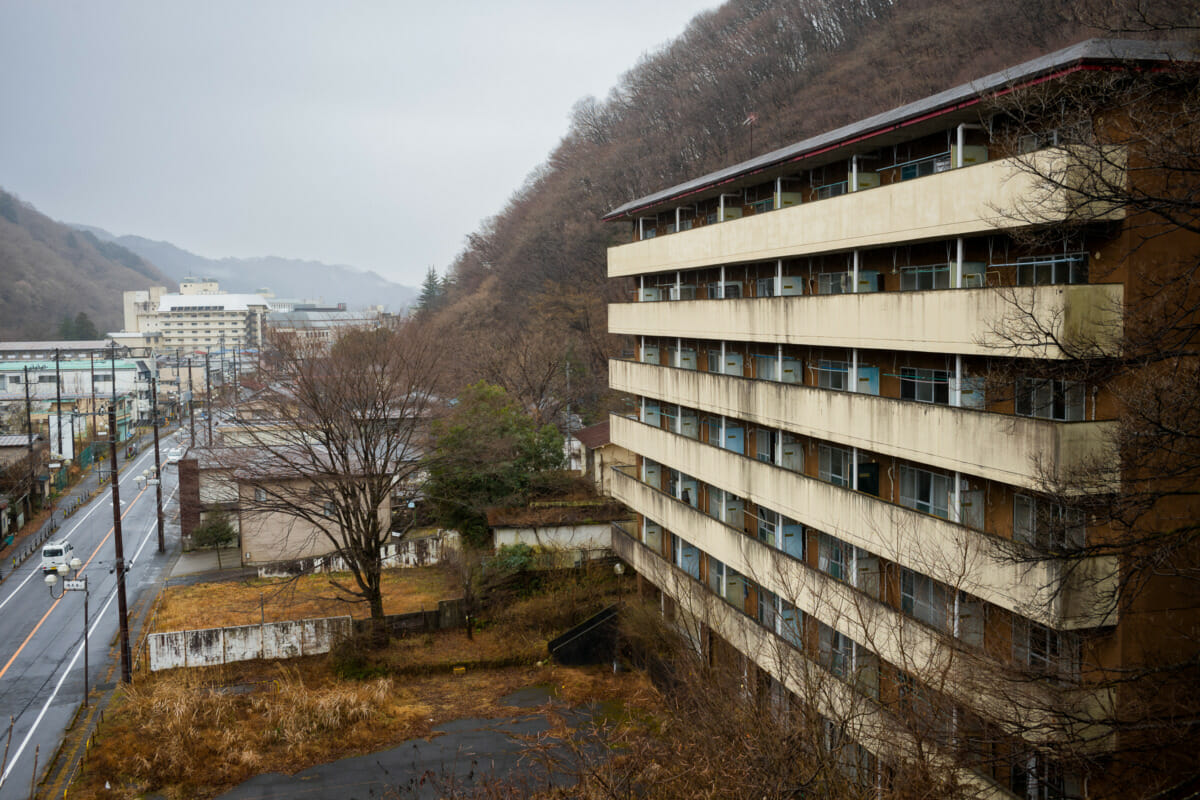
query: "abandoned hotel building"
840, 468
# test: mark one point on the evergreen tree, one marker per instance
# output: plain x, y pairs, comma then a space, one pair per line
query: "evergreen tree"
66, 329
84, 327
433, 292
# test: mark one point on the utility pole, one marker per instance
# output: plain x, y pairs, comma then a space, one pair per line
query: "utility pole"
208, 396
29, 432
112, 361
92, 368
191, 402
119, 546
162, 542
58, 394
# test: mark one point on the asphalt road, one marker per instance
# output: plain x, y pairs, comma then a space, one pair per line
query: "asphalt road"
41, 638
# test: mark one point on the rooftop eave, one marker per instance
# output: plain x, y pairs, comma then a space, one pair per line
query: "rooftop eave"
1090, 54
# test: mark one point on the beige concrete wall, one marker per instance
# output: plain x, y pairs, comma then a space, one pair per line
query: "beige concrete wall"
1015, 450
268, 535
987, 322
948, 552
979, 199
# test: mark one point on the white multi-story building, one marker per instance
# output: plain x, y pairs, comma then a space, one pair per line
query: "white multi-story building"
200, 319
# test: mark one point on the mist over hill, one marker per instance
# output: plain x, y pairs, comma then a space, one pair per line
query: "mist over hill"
50, 271
285, 277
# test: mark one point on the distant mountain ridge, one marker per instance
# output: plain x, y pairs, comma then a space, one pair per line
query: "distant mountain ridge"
51, 271
285, 277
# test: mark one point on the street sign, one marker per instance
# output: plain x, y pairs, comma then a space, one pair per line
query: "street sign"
74, 586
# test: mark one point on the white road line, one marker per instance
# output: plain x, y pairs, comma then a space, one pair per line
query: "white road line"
94, 505
71, 666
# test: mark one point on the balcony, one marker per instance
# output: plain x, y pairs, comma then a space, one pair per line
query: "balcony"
967, 676
948, 552
1018, 451
865, 721
1004, 322
986, 197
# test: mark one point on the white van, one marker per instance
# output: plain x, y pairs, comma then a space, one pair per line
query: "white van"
173, 455
56, 553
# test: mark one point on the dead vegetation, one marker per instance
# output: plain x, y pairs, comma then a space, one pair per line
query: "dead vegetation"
214, 605
196, 733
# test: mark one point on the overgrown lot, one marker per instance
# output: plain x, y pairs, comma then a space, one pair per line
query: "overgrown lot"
214, 605
195, 733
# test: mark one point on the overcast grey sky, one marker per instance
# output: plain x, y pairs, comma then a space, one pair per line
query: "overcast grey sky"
376, 134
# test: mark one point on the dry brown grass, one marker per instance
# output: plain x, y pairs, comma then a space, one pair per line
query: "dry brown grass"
187, 735
214, 605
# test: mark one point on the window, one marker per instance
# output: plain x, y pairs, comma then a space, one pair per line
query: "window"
832, 374
1047, 525
1035, 777
764, 287
14, 378
791, 623
766, 442
47, 379
1044, 650
836, 651
1049, 398
831, 556
260, 495
833, 465
925, 385
766, 526
1048, 270
330, 509
831, 190
714, 361
925, 599
913, 279
925, 491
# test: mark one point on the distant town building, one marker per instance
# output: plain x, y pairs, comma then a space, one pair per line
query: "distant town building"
199, 318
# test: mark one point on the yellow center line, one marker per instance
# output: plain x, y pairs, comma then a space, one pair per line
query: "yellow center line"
54, 605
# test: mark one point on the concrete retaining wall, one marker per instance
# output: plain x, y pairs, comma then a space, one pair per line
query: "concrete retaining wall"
245, 642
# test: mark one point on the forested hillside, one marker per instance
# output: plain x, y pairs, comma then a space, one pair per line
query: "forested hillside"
528, 293
49, 272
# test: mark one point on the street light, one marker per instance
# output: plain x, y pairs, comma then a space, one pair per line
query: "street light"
76, 585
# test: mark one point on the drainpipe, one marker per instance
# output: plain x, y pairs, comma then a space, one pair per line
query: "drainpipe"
962, 138
678, 285
854, 273
852, 378
677, 219
956, 390
854, 468
678, 352
956, 512
721, 208
779, 192
778, 277
958, 265
721, 284
854, 173
779, 371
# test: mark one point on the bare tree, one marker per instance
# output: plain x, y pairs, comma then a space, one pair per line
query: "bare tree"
333, 444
